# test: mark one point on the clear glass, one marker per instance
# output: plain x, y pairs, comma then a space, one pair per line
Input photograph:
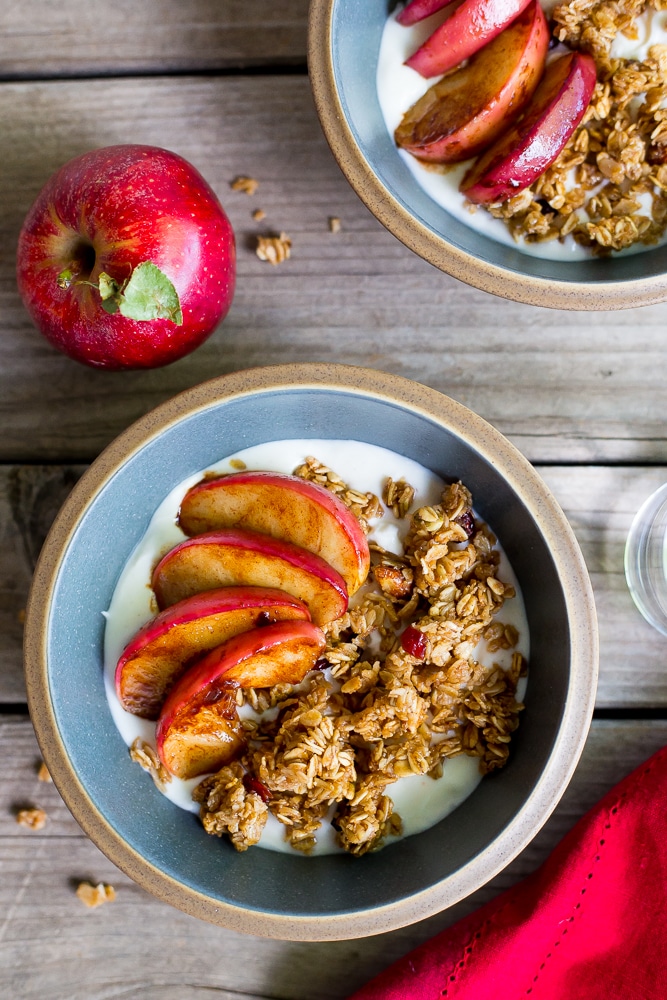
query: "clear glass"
646, 560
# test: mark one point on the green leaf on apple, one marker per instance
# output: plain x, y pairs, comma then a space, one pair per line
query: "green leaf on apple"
150, 294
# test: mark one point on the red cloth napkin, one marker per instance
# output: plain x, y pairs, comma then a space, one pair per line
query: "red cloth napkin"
590, 923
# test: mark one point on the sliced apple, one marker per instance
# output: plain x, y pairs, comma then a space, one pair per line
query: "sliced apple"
202, 736
466, 111
534, 142
419, 10
196, 731
472, 26
237, 557
162, 648
282, 506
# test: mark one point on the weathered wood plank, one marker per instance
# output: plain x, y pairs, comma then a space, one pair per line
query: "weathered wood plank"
563, 386
40, 39
50, 945
600, 503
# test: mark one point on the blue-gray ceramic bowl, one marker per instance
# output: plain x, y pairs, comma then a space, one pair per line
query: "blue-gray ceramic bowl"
343, 45
164, 848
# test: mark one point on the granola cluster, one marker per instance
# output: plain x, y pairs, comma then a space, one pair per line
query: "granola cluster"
400, 690
608, 187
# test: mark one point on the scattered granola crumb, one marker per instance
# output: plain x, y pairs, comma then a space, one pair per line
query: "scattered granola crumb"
145, 756
238, 463
274, 249
334, 224
95, 895
33, 819
259, 214
248, 185
21, 616
43, 773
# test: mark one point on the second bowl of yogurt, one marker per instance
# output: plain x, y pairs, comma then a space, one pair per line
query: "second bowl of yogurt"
362, 88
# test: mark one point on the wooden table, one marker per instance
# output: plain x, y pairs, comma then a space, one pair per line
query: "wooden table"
582, 395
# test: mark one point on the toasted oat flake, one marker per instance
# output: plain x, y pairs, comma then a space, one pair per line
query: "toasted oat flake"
247, 185
274, 249
32, 819
334, 224
95, 895
259, 214
43, 773
238, 464
145, 756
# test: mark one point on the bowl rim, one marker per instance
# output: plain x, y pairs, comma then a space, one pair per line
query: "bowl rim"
578, 596
528, 289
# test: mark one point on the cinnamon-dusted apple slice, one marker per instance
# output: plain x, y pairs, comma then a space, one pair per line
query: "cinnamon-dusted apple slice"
195, 732
237, 557
466, 111
472, 26
419, 10
534, 142
162, 648
282, 506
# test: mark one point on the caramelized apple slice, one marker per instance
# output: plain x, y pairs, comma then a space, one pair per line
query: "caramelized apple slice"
534, 142
201, 736
472, 26
462, 114
419, 10
196, 731
284, 507
236, 557
160, 650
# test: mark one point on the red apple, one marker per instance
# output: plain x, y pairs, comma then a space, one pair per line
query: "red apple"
162, 648
139, 225
471, 26
192, 733
285, 507
235, 557
533, 143
464, 112
418, 10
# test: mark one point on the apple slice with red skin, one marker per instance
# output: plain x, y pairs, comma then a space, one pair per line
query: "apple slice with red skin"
163, 647
472, 26
237, 557
467, 110
282, 506
196, 714
534, 142
202, 736
419, 10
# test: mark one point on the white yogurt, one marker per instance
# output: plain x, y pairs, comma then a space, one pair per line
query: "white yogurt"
399, 87
419, 800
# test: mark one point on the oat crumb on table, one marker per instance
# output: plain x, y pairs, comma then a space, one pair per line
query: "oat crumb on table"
334, 224
95, 895
32, 819
43, 773
247, 185
274, 249
259, 214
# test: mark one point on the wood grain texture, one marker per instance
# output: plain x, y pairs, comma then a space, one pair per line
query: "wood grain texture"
565, 387
50, 945
87, 37
599, 502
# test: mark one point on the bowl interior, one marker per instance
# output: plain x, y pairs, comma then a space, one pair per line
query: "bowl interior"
171, 840
345, 35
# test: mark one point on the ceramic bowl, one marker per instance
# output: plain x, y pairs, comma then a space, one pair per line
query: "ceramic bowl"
163, 847
343, 45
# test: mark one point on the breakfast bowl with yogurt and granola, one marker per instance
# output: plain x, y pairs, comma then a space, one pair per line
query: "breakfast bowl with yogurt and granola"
311, 625
518, 146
